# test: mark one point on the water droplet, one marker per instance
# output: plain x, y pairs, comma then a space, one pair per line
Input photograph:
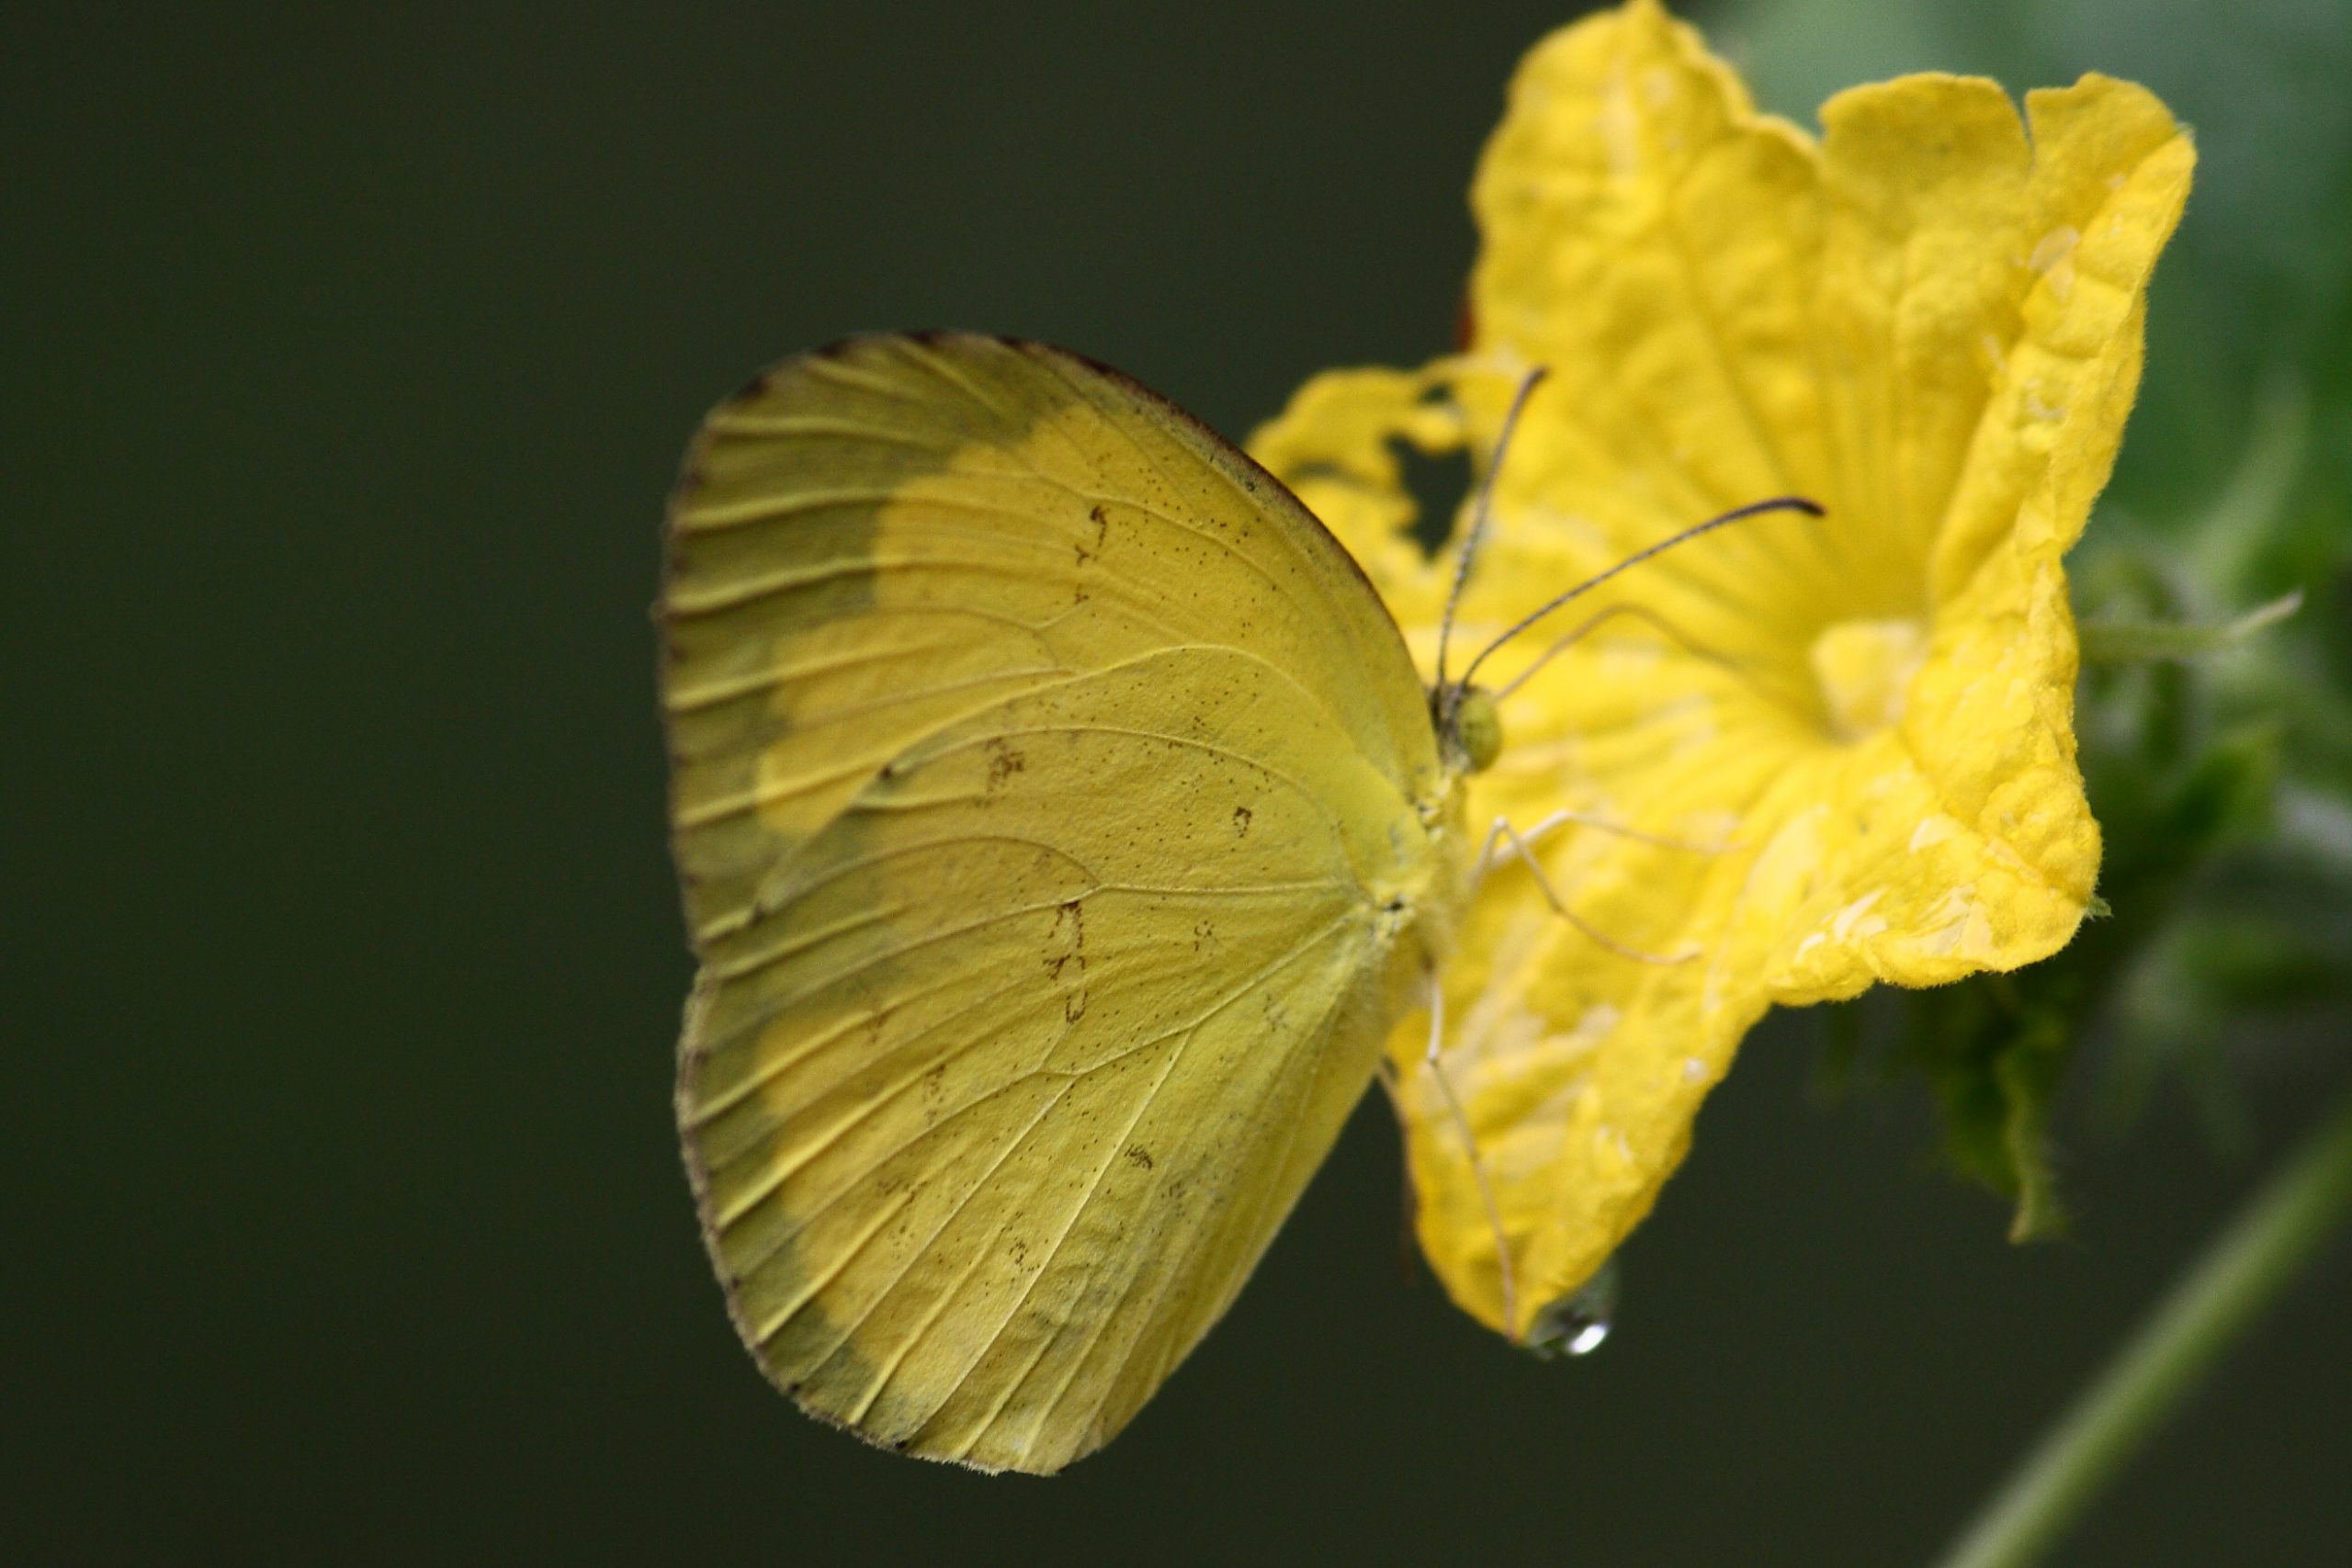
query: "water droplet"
1577, 1323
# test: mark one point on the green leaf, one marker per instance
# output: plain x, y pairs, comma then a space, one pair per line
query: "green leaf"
1995, 1052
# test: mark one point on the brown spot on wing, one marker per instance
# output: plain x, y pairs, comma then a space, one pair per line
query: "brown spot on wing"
1003, 762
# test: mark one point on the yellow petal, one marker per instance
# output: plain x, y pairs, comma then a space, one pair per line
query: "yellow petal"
1856, 736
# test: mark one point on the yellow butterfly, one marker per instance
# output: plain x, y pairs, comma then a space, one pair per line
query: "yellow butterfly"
1063, 825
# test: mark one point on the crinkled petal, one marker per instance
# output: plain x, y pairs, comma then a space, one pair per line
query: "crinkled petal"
1844, 750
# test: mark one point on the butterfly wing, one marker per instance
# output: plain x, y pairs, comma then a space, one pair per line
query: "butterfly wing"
1047, 794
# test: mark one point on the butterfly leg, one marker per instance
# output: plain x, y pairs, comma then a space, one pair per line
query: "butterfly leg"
1558, 820
1502, 832
1430, 1059
1618, 830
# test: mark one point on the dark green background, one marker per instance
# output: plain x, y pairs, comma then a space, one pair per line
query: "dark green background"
349, 358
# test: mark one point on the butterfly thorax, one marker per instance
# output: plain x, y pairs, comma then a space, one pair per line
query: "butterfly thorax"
1434, 883
1424, 891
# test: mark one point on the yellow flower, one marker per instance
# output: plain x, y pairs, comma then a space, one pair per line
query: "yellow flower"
1848, 741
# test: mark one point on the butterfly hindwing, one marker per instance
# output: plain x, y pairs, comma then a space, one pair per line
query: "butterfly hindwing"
1041, 777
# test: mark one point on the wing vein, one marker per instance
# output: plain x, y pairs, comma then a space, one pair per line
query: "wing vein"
736, 1026
1191, 1031
1301, 1056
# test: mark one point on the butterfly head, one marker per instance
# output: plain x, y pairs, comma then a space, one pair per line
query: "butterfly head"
1469, 726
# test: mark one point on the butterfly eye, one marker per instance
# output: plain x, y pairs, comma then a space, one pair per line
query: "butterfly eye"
1479, 727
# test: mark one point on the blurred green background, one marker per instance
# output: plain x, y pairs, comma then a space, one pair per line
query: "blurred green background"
350, 355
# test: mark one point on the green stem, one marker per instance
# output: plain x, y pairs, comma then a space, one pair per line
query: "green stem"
2138, 642
2266, 1245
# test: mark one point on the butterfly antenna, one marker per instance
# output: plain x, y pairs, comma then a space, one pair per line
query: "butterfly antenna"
1737, 514
1479, 517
